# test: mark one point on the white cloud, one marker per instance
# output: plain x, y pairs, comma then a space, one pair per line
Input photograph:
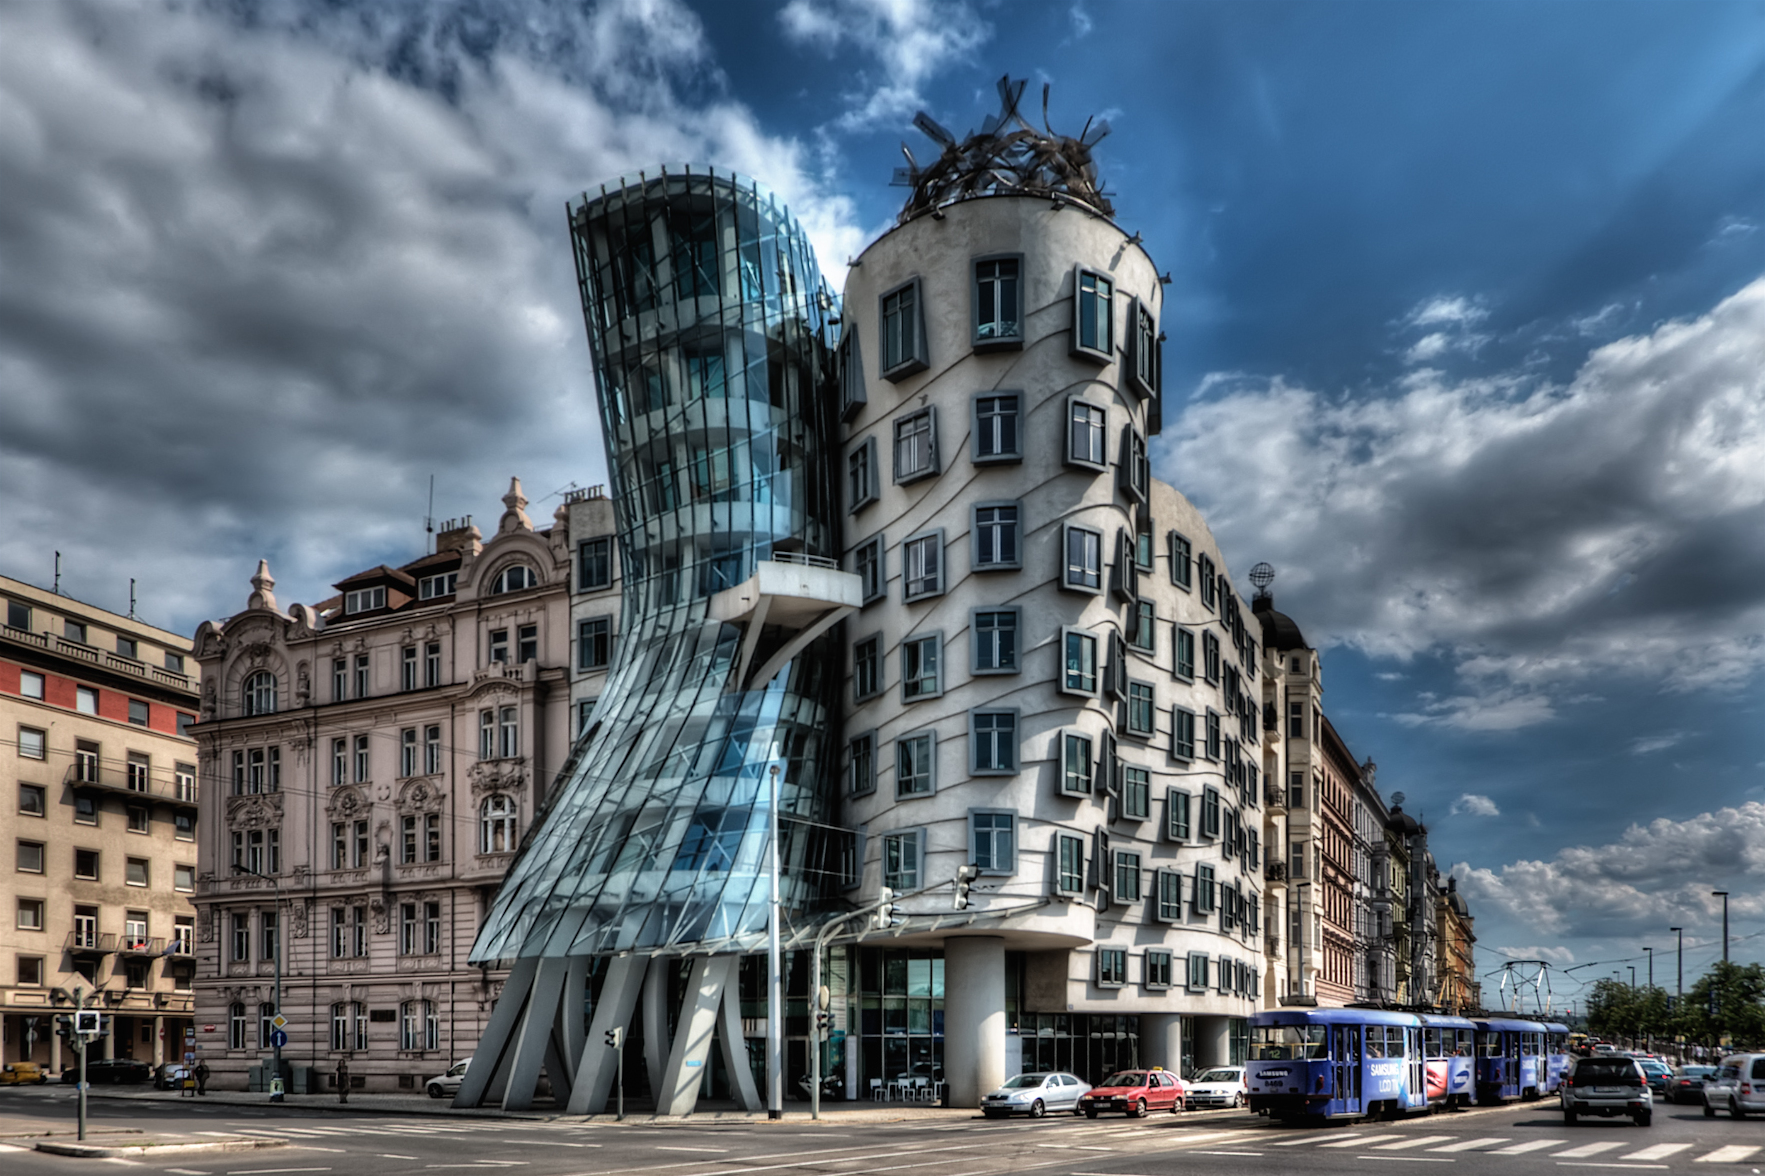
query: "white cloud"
1443, 309
1655, 875
1552, 953
1081, 21
1645, 744
1448, 321
1470, 804
910, 40
1540, 536
264, 276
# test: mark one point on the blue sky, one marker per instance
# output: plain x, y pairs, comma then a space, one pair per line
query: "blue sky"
1466, 333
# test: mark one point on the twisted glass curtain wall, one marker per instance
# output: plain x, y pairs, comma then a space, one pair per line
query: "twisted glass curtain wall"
709, 325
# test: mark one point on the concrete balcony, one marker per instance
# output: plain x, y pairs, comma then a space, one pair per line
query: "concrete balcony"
788, 602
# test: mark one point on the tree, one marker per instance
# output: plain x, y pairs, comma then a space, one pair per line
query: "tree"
1727, 1001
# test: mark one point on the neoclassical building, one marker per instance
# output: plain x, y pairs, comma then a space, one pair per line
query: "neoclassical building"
369, 765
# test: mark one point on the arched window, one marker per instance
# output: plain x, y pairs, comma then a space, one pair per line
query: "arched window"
259, 694
514, 578
419, 1027
236, 1025
497, 825
349, 1025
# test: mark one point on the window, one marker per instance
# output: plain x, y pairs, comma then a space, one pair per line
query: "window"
869, 563
174, 662
183, 935
1157, 968
1136, 793
922, 667
594, 564
339, 845
136, 771
852, 398
269, 936
437, 586
995, 642
1169, 895
916, 446
1177, 825
1084, 559
1210, 812
1112, 967
30, 857
900, 861
996, 536
86, 700
339, 761
997, 303
1093, 325
1204, 571
419, 1026
1076, 764
32, 743
861, 764
359, 847
241, 937
915, 764
361, 759
992, 841
407, 752
486, 734
236, 1025
498, 650
1210, 657
1080, 673
86, 864
594, 643
1296, 718
30, 685
509, 732
514, 578
1203, 899
342, 1020
527, 643
1141, 709
85, 810
866, 668
1069, 852
137, 819
922, 566
996, 428
1213, 748
30, 914
32, 800
584, 713
863, 484
496, 825
75, 631
1145, 627
135, 871
432, 749
1142, 350
1135, 474
407, 668
30, 971
408, 837
431, 928
1184, 662
1296, 790
1127, 876
432, 664
339, 679
362, 667
903, 332
1196, 981
993, 740
18, 615
138, 712
1087, 430
408, 930
363, 600
128, 647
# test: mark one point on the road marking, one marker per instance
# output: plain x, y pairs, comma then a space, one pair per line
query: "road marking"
1227, 1153
1613, 1164
187, 1171
1403, 1144
1659, 1152
268, 1171
552, 1143
7, 1147
1471, 1144
718, 1150
1732, 1154
1531, 1145
315, 1147
1412, 1159
1588, 1149
390, 1156
1294, 1142
1359, 1140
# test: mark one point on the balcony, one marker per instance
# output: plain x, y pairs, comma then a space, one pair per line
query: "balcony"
1274, 871
89, 775
75, 651
90, 943
142, 946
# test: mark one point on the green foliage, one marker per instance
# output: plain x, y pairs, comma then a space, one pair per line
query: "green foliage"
1618, 1010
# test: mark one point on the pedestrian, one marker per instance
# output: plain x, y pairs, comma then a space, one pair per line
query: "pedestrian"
202, 1077
342, 1080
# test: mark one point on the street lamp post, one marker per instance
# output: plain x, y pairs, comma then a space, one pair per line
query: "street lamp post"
1723, 895
1651, 952
1632, 968
276, 1083
1679, 985
775, 989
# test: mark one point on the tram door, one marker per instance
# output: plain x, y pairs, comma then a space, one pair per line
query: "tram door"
1418, 1067
1510, 1062
1348, 1068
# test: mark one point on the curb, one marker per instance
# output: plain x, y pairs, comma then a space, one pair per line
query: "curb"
100, 1152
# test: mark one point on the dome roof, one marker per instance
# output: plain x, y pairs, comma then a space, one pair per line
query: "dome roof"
1279, 632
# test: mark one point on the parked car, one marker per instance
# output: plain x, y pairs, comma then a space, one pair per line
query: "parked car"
1135, 1092
1606, 1085
1035, 1095
109, 1070
448, 1084
1657, 1074
1222, 1086
1688, 1085
23, 1074
1737, 1086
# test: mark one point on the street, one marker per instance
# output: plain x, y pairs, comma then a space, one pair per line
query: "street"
1496, 1140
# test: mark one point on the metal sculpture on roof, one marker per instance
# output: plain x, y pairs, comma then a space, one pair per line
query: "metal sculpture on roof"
1008, 156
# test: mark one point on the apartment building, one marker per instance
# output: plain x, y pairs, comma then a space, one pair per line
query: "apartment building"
99, 772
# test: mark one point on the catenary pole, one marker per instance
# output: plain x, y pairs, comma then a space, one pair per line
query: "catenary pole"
775, 987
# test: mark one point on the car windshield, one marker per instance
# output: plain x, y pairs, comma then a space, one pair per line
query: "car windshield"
1126, 1078
1217, 1076
1698, 1071
1280, 1043
1024, 1082
1616, 1072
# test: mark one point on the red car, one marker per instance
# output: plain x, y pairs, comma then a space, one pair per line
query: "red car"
1136, 1092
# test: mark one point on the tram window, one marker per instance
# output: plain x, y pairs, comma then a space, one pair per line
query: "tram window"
1376, 1041
1431, 1044
1529, 1044
1465, 1043
1489, 1045
1281, 1043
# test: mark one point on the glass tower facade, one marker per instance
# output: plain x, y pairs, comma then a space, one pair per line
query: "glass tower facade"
710, 328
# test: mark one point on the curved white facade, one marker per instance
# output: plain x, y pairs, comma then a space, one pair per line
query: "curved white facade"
985, 549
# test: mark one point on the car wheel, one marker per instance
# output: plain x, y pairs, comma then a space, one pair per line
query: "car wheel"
1644, 1119
1138, 1110
434, 1090
1090, 1112
1736, 1110
1037, 1110
1238, 1100
1709, 1111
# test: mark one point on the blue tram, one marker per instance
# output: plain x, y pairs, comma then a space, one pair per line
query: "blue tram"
1449, 1046
1336, 1063
1519, 1059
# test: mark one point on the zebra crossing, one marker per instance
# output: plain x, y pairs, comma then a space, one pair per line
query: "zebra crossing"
1606, 1151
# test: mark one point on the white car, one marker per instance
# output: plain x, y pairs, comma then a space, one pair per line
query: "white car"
1222, 1086
448, 1084
1035, 1095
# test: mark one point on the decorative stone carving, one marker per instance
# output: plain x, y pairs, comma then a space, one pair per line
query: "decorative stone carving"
303, 685
255, 812
421, 795
500, 775
381, 915
346, 803
298, 915
205, 925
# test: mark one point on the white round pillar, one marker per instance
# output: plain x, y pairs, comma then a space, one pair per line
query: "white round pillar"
974, 1018
1161, 1040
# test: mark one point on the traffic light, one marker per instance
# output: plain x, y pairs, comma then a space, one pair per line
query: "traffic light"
885, 910
965, 876
823, 1022
615, 1038
89, 1022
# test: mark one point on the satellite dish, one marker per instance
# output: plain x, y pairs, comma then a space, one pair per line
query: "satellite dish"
1397, 798
1262, 575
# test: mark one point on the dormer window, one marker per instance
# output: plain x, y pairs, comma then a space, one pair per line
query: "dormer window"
431, 587
364, 600
514, 578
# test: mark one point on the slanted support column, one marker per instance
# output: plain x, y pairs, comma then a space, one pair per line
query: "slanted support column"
655, 1021
679, 1091
734, 1044
599, 1067
974, 1018
535, 1043
1161, 1040
488, 1074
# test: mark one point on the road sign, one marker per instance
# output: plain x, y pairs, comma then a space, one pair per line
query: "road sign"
278, 1038
279, 1021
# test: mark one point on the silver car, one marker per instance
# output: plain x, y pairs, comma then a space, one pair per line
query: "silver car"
1222, 1086
447, 1085
1606, 1085
1035, 1095
1737, 1086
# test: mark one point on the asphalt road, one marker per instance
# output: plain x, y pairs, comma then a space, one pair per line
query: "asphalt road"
1529, 1139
